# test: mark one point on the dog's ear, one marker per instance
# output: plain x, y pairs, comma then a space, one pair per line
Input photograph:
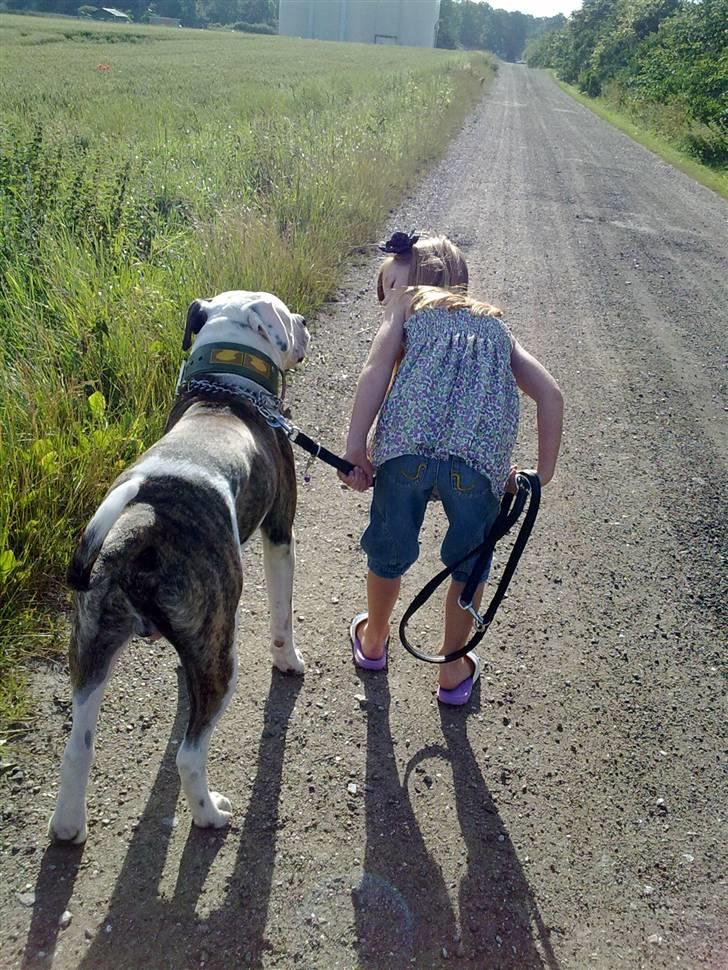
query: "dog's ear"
271, 325
196, 319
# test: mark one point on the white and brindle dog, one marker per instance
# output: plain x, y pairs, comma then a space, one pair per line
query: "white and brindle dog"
162, 555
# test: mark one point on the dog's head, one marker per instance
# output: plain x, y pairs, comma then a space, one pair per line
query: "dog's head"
231, 314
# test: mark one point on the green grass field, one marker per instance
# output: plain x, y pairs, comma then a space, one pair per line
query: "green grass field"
142, 167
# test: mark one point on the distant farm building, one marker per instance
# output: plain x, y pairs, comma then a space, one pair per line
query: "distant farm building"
406, 22
111, 13
156, 21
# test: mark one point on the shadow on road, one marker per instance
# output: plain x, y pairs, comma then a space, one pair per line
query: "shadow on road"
136, 886
53, 889
401, 905
502, 926
403, 910
242, 918
147, 930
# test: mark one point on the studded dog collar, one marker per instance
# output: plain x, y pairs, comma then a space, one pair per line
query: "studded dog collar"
236, 359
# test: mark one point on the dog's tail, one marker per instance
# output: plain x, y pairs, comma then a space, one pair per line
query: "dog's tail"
88, 549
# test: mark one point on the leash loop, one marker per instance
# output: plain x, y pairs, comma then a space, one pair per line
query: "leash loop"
528, 487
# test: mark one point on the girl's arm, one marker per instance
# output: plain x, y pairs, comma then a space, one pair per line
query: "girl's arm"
534, 380
372, 387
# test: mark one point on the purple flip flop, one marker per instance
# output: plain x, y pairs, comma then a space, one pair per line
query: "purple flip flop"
366, 663
461, 694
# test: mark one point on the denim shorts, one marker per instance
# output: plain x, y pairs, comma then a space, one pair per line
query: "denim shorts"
402, 488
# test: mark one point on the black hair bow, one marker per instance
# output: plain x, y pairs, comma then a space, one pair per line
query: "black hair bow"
399, 243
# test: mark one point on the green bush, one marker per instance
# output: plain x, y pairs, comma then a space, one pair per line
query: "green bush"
254, 28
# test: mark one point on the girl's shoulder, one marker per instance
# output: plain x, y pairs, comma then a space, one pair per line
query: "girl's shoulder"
434, 320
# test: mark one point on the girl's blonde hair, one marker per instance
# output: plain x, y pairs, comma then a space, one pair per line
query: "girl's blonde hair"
433, 261
431, 297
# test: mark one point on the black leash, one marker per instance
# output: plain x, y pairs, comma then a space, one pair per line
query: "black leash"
270, 408
528, 489
318, 451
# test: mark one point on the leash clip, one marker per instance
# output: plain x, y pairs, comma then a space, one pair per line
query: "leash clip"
480, 623
271, 414
272, 418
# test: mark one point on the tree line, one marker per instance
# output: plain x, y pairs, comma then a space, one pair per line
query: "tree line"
463, 23
476, 25
664, 61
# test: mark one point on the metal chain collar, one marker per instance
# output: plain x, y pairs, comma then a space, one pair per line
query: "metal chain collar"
268, 406
270, 409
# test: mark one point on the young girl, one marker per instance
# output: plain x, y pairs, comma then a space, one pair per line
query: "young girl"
447, 428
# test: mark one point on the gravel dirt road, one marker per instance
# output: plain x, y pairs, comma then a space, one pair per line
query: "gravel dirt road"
572, 816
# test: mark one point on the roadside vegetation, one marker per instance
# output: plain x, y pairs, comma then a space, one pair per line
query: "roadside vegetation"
714, 178
661, 63
141, 168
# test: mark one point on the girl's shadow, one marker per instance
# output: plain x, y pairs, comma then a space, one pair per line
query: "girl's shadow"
401, 905
500, 922
403, 910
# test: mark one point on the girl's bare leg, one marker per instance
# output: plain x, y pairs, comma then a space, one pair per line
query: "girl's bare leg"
458, 627
381, 596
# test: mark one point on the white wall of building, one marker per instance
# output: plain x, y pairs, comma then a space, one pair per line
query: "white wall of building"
408, 22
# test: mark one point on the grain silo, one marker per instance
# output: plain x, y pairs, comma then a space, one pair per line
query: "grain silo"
408, 22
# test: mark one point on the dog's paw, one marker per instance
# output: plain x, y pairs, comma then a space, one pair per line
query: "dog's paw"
217, 813
287, 658
67, 831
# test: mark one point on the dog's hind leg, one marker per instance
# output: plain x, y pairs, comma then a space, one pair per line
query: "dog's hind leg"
102, 625
211, 674
279, 559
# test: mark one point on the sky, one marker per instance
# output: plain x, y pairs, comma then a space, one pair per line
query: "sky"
539, 8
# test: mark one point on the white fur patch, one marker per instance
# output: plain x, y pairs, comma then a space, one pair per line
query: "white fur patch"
110, 510
68, 822
209, 809
279, 562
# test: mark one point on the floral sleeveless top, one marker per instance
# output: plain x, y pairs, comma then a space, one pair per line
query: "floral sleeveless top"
454, 394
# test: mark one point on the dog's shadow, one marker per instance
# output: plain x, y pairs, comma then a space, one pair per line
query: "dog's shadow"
142, 868
53, 890
143, 929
